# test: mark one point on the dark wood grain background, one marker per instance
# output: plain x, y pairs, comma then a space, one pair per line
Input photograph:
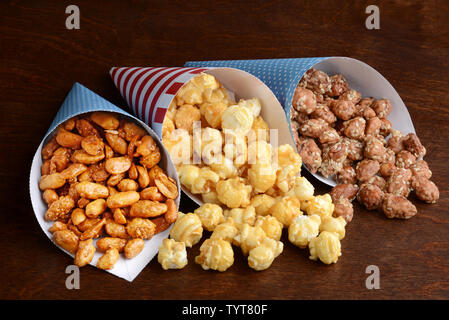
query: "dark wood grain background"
41, 59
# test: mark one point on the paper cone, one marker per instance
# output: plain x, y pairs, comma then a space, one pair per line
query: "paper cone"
149, 91
160, 85
82, 100
282, 77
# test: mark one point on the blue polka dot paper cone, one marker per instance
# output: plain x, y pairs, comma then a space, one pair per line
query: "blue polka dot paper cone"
81, 100
283, 75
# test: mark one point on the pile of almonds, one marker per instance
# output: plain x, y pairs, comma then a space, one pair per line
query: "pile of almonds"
343, 136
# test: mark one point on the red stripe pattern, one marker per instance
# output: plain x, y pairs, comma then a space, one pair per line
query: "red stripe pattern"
149, 91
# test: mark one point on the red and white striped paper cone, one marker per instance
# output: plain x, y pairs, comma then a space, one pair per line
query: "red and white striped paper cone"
149, 90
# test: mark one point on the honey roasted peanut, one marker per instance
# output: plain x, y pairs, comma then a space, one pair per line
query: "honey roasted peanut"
94, 172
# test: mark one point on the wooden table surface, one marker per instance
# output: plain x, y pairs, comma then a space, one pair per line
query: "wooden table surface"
41, 59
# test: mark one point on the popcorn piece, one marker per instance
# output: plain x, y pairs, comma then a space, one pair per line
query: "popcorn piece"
179, 144
210, 197
262, 203
335, 225
187, 229
262, 177
210, 215
188, 174
205, 81
286, 209
234, 192
271, 226
226, 231
235, 148
303, 189
259, 152
321, 205
189, 94
249, 238
225, 169
172, 254
185, 116
303, 229
325, 247
237, 118
205, 182
215, 254
210, 144
253, 105
261, 257
261, 129
212, 112
241, 216
289, 163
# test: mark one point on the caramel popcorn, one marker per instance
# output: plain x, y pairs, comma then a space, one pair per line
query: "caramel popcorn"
210, 215
270, 225
335, 225
286, 209
321, 206
215, 254
234, 192
325, 247
249, 237
303, 229
242, 215
188, 229
262, 203
262, 256
172, 254
226, 230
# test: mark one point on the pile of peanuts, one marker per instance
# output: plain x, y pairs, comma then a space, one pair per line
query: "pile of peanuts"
101, 180
251, 189
339, 134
